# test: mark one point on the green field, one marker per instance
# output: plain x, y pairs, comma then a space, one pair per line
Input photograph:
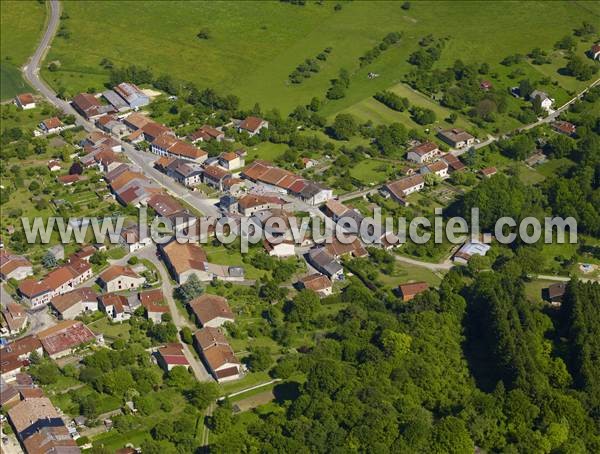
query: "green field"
252, 49
21, 25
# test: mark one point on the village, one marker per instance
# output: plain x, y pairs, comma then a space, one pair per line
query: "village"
130, 344
74, 290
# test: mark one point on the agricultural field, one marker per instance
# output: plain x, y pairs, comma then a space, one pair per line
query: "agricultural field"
21, 27
251, 50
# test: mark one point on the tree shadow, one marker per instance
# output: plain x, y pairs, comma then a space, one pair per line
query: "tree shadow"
286, 391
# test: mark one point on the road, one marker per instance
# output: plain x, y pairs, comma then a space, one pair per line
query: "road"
179, 320
31, 72
550, 118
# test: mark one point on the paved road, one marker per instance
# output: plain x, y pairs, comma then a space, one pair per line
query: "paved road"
550, 118
179, 320
31, 71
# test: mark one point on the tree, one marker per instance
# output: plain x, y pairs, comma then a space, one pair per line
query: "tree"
186, 335
202, 394
189, 290
204, 33
344, 126
525, 88
259, 359
48, 260
303, 307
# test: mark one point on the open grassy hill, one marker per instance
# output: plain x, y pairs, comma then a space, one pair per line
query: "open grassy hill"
22, 23
254, 46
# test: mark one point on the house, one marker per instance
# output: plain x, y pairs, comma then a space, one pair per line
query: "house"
424, 152
229, 204
168, 145
214, 176
252, 203
164, 205
84, 253
205, 134
410, 290
64, 337
318, 283
335, 209
338, 249
536, 158
211, 310
74, 303
115, 306
15, 318
25, 101
52, 439
280, 180
133, 238
485, 85
136, 121
170, 356
403, 187
311, 193
110, 125
234, 186
35, 293
468, 250
132, 95
89, 107
15, 355
454, 164
59, 281
308, 163
40, 428
489, 172
325, 263
100, 140
51, 125
185, 172
184, 260
68, 180
14, 267
117, 278
439, 168
564, 127
152, 301
545, 100
595, 52
554, 293
54, 165
253, 125
281, 249
217, 354
456, 138
231, 161
115, 100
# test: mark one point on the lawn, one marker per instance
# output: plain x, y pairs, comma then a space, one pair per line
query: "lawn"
407, 273
20, 29
252, 48
554, 167
110, 330
231, 257
371, 109
371, 171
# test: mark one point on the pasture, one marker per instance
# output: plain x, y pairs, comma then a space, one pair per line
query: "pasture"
251, 48
20, 29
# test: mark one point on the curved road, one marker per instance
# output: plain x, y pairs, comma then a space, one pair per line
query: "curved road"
31, 72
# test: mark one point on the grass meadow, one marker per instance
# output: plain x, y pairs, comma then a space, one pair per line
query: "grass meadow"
20, 29
252, 47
